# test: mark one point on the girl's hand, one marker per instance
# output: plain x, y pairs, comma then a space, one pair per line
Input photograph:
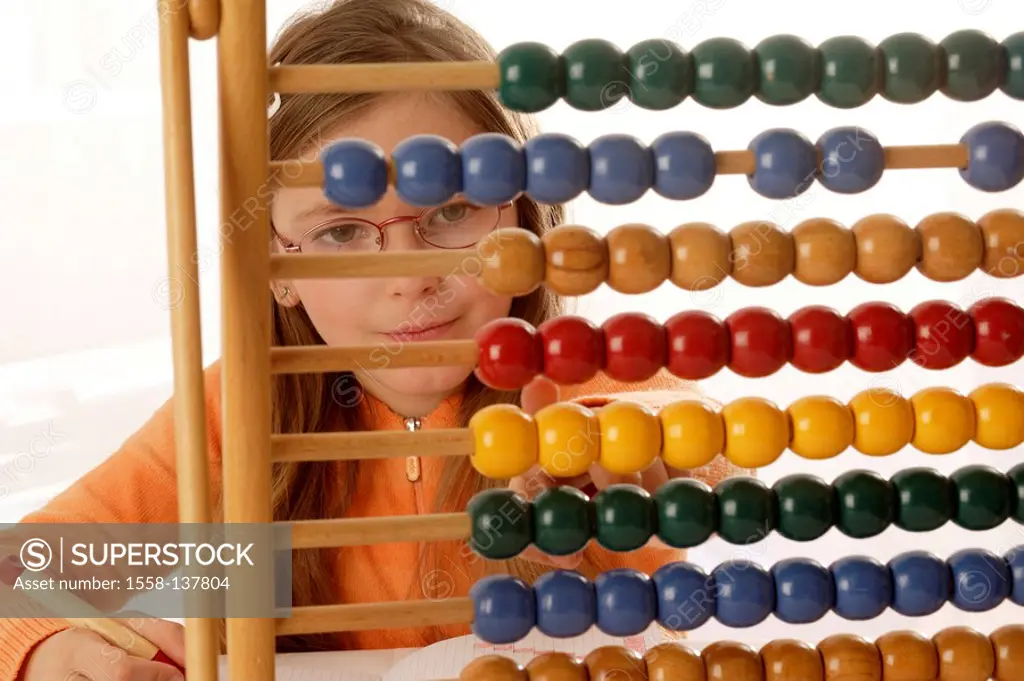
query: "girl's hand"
78, 653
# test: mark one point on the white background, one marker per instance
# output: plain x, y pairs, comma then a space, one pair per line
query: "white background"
85, 354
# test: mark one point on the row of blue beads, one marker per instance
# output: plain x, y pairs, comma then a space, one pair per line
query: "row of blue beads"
553, 168
680, 596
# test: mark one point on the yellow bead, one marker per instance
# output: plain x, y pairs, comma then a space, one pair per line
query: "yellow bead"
505, 439
822, 427
630, 437
693, 433
943, 420
756, 432
883, 422
570, 439
998, 415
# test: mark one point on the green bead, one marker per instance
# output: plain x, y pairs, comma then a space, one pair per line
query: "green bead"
912, 67
595, 75
660, 75
1013, 53
687, 512
788, 68
807, 506
531, 77
747, 511
851, 72
983, 497
927, 499
725, 73
563, 520
1016, 477
500, 524
867, 503
975, 65
625, 517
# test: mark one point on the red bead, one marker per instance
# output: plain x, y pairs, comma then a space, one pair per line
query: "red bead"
822, 339
698, 345
635, 346
998, 332
510, 353
943, 334
573, 349
761, 342
883, 336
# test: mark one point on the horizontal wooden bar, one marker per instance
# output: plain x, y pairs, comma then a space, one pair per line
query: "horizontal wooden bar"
935, 156
315, 619
390, 354
424, 263
321, 533
380, 444
422, 76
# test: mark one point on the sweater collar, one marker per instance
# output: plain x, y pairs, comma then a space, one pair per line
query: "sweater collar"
377, 415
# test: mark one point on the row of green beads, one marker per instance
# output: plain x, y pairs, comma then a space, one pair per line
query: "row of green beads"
685, 512
721, 73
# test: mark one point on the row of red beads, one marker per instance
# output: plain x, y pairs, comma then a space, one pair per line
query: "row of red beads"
753, 342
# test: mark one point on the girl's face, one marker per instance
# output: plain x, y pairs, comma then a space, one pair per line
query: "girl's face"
387, 314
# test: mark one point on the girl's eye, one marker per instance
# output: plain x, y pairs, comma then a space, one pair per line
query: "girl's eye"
452, 213
339, 235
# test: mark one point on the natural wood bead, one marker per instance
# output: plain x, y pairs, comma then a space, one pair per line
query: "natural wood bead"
512, 260
673, 662
701, 256
731, 661
907, 656
639, 258
1003, 235
791, 660
577, 260
615, 663
556, 667
964, 655
847, 657
493, 668
1008, 644
825, 252
951, 247
762, 254
887, 248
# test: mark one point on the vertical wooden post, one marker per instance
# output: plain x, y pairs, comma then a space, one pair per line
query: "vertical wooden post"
245, 275
201, 639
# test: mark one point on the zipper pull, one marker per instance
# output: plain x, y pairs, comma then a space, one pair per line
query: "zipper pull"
412, 463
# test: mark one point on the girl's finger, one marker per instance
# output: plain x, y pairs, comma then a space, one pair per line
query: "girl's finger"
654, 476
535, 555
539, 393
603, 478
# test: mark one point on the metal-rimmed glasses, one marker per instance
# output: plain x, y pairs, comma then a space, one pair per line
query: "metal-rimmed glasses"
453, 225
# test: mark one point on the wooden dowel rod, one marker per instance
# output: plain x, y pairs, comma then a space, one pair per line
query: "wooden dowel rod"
309, 359
936, 156
409, 76
320, 533
204, 19
382, 444
317, 619
432, 263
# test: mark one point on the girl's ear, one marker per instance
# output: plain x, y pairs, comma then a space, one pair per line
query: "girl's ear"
284, 293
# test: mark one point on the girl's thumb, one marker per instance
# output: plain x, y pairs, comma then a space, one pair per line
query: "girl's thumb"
539, 393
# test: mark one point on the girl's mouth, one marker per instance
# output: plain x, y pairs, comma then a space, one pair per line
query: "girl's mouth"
425, 333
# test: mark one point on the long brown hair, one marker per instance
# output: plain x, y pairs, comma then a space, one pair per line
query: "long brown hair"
372, 31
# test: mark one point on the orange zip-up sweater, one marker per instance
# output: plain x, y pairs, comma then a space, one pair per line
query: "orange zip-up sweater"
138, 484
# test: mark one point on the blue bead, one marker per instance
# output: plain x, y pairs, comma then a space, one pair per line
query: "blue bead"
745, 593
355, 173
995, 159
921, 583
504, 609
684, 165
785, 163
1015, 563
557, 168
863, 587
566, 603
981, 579
626, 602
621, 169
686, 596
852, 160
428, 170
804, 591
493, 169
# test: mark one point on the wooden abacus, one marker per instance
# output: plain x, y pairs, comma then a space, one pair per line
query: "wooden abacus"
574, 260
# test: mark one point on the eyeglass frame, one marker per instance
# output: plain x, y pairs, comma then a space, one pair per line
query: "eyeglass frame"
292, 247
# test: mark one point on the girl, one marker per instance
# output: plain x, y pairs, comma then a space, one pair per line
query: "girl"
137, 484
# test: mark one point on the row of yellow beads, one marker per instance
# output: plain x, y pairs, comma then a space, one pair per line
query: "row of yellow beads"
625, 437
